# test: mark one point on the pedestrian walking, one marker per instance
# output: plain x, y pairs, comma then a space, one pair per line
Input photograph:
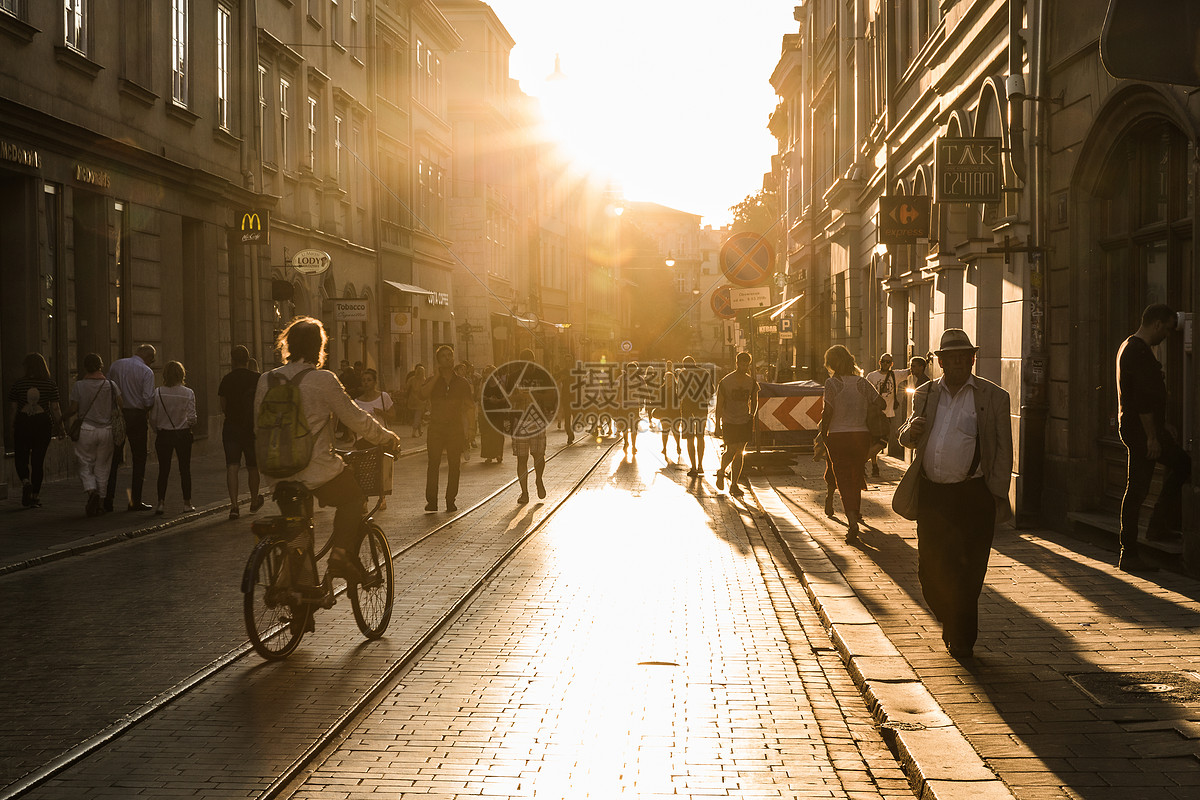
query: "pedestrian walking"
236, 393
846, 433
173, 415
36, 416
134, 376
95, 400
962, 431
695, 386
491, 438
737, 403
534, 396
1141, 420
417, 404
374, 400
449, 399
632, 389
669, 413
887, 382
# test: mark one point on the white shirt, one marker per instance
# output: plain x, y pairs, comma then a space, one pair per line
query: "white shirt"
950, 448
891, 400
174, 409
135, 379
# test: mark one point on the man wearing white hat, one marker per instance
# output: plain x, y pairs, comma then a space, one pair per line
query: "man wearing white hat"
962, 431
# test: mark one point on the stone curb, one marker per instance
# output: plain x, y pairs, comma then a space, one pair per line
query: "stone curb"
935, 755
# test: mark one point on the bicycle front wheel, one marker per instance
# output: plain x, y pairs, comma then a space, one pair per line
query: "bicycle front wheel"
275, 620
371, 600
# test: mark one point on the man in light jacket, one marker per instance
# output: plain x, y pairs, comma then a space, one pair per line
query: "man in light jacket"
961, 429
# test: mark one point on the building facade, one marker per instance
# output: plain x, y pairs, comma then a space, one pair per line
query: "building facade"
1092, 220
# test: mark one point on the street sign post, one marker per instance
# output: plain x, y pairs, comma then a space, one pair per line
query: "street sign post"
757, 297
722, 306
747, 259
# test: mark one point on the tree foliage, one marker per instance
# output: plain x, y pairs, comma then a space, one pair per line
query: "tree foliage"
759, 212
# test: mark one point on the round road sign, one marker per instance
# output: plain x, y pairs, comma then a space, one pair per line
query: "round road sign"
626, 346
721, 304
747, 259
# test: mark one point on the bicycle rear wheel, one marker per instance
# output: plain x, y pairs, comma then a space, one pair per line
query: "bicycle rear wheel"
371, 600
275, 620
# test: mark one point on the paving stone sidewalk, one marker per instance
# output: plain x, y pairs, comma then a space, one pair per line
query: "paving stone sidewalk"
1085, 682
633, 649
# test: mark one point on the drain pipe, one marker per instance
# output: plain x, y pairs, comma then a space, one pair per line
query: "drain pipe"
1015, 89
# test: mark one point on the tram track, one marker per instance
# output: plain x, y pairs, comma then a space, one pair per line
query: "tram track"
38, 783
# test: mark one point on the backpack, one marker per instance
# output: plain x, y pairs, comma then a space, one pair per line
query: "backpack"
283, 441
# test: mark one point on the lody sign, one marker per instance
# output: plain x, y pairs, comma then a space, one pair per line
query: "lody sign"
968, 170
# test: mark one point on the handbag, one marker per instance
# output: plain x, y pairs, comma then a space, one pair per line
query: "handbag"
117, 420
907, 494
878, 423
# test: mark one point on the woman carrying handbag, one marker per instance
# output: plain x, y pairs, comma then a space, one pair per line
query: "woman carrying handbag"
172, 417
851, 409
92, 431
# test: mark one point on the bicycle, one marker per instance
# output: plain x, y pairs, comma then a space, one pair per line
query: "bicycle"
280, 587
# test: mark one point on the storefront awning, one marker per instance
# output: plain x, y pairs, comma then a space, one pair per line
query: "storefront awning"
408, 287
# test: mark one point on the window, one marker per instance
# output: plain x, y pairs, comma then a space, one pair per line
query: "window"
224, 64
354, 30
76, 30
285, 102
137, 50
337, 149
312, 133
179, 52
15, 8
429, 78
265, 138
335, 21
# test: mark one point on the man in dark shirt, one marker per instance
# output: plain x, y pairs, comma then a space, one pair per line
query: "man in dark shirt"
237, 432
1142, 408
449, 398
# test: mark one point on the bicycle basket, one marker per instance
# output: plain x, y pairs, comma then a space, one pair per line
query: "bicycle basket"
372, 469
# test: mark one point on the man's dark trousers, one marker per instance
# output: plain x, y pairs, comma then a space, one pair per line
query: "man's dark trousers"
136, 434
955, 526
449, 439
1168, 509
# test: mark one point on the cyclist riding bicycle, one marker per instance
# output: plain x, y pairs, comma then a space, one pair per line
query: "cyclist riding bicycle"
302, 346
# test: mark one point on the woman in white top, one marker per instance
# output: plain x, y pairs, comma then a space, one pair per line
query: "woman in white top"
848, 395
93, 397
375, 401
172, 417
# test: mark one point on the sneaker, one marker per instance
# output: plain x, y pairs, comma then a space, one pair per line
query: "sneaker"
35, 502
257, 503
189, 508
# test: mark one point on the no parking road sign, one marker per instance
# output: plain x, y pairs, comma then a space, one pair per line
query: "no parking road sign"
721, 303
747, 259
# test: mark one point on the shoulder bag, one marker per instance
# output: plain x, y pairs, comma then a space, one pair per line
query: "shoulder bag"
878, 424
118, 419
76, 427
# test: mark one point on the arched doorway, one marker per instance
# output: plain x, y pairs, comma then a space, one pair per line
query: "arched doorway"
1142, 232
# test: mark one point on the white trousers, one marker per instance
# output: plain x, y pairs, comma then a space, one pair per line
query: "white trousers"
94, 451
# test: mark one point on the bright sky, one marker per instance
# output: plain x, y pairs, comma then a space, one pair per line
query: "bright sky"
668, 97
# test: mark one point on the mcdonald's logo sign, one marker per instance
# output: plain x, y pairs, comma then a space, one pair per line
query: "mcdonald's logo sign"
254, 227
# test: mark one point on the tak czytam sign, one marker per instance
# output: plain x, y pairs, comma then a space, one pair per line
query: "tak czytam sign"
311, 262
